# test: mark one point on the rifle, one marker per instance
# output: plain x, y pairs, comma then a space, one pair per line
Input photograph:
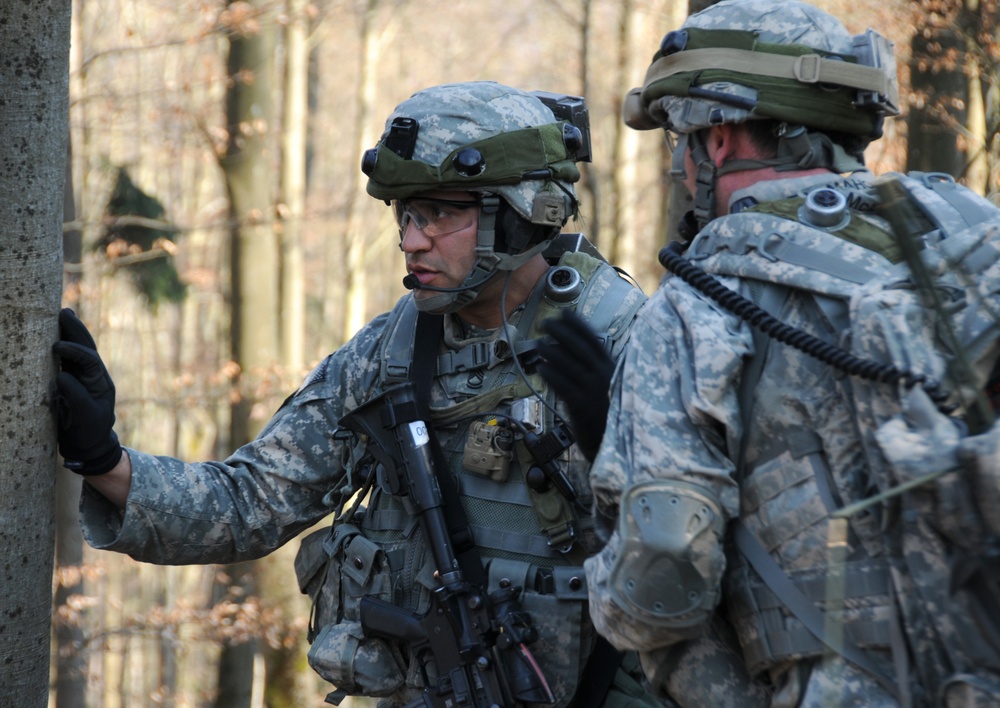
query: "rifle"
477, 641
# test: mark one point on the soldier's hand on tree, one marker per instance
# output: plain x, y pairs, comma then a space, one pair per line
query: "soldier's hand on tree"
579, 370
86, 401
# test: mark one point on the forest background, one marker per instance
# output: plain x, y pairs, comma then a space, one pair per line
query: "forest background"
218, 242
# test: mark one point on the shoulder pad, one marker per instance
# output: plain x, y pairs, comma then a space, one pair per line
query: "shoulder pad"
766, 247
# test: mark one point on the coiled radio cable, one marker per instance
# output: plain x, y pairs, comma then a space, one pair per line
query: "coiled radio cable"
670, 258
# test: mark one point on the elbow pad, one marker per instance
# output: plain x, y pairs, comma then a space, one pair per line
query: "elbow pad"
670, 562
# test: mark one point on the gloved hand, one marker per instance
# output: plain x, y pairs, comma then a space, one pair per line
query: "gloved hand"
577, 367
86, 401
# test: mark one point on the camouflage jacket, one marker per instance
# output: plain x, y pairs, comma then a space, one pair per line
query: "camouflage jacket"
781, 456
301, 468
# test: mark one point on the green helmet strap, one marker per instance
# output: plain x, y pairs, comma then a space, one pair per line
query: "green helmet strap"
507, 158
795, 83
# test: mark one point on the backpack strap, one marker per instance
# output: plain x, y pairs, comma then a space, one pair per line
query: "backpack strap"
811, 616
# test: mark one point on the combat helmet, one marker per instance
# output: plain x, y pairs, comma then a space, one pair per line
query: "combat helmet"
504, 144
740, 60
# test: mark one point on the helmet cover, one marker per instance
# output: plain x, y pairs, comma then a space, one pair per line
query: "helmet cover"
515, 135
786, 61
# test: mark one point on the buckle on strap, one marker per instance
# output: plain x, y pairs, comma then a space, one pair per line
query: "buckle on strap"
469, 358
560, 537
807, 68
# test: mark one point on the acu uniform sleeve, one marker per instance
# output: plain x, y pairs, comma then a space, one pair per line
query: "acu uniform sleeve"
256, 500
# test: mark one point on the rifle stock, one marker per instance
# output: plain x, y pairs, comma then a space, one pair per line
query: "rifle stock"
477, 641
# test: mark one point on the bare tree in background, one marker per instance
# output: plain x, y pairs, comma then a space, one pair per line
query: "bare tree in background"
294, 134
953, 119
359, 233
254, 284
34, 79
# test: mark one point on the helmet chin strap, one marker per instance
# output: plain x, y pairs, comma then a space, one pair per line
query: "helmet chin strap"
486, 266
705, 177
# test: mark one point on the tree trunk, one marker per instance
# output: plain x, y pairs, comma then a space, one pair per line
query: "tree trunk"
284, 664
699, 5
588, 190
293, 184
937, 78
254, 245
255, 286
357, 232
359, 229
34, 104
622, 174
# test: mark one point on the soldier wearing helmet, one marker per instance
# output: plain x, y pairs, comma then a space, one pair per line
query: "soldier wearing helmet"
731, 452
480, 177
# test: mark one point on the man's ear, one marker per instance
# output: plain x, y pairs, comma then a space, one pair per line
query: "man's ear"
721, 142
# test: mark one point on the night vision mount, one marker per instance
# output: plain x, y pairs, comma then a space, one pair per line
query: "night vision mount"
573, 110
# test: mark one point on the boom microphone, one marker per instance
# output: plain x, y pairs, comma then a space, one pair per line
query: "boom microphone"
412, 282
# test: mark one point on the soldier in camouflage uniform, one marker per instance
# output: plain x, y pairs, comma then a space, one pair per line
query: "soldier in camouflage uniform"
729, 455
480, 177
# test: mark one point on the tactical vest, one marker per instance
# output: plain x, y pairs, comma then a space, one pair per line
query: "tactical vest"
802, 452
537, 540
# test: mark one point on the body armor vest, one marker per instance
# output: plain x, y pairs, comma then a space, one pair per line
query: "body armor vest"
536, 540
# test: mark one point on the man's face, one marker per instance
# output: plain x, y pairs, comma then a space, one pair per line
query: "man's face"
438, 236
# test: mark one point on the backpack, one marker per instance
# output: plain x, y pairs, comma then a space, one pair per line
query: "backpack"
900, 358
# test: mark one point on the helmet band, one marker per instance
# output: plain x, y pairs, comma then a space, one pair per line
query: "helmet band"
539, 152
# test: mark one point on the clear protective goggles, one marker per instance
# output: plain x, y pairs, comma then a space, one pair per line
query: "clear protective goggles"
434, 217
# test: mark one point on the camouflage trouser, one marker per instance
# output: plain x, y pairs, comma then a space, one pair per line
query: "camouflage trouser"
703, 672
827, 681
628, 690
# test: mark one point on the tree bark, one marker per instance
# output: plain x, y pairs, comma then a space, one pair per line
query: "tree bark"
254, 276
359, 230
254, 245
293, 184
938, 79
34, 104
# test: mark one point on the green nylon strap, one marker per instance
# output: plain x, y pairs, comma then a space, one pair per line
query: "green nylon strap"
483, 403
506, 158
746, 40
804, 609
794, 83
858, 231
805, 69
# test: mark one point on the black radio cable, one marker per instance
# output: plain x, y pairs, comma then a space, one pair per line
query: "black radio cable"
670, 258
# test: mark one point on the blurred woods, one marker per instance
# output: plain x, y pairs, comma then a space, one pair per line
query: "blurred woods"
219, 243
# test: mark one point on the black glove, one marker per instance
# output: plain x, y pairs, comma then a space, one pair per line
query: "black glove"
579, 370
86, 401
